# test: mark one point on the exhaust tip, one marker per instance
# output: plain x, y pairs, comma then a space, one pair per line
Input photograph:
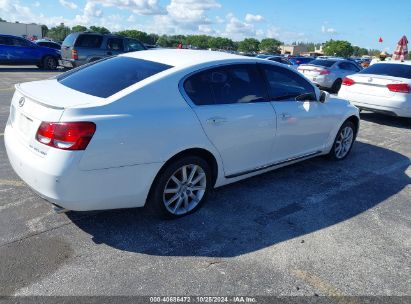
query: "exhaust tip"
59, 210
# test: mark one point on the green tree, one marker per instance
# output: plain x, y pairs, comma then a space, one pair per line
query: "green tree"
270, 45
220, 43
358, 51
99, 29
2, 20
58, 33
248, 45
78, 28
374, 52
170, 41
142, 36
198, 41
339, 48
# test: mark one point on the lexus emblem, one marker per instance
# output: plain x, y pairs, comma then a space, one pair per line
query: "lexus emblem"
22, 101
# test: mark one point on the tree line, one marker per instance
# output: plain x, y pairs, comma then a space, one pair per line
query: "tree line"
248, 45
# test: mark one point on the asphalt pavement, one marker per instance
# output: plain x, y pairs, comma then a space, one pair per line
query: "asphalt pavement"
314, 228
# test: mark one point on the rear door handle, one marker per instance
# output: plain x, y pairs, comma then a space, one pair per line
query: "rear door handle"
285, 116
216, 120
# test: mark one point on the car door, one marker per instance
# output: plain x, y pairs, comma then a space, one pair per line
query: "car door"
24, 52
303, 123
231, 104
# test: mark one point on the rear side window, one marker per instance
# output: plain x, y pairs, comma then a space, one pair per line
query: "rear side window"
285, 84
324, 63
225, 85
69, 41
386, 69
109, 76
89, 41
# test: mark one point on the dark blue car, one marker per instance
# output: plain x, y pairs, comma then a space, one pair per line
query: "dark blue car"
19, 51
297, 60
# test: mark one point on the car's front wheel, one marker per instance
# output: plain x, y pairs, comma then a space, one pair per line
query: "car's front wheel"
343, 142
181, 187
49, 63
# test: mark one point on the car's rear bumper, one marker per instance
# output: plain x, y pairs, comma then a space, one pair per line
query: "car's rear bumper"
390, 106
61, 182
322, 81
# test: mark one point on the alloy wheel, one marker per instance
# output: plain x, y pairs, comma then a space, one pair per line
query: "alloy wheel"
344, 141
185, 189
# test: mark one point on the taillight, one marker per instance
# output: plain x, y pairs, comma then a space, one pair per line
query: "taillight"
399, 87
66, 135
325, 72
348, 81
298, 61
74, 54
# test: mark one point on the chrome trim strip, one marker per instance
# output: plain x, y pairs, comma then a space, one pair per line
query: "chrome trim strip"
273, 164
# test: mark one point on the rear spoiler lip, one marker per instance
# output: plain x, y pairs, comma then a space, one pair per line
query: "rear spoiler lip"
18, 88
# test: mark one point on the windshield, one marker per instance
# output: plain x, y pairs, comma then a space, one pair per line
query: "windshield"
387, 69
109, 76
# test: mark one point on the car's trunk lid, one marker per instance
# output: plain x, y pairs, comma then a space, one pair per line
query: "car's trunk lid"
311, 70
35, 102
373, 85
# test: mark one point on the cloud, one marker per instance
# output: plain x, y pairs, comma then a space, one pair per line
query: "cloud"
140, 7
36, 4
253, 18
328, 30
68, 4
238, 29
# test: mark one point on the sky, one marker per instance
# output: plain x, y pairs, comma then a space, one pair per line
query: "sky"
360, 22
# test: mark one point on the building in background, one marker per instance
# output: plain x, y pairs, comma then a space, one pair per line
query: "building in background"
30, 31
293, 50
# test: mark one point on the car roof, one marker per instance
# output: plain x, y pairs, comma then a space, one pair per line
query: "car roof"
407, 62
184, 57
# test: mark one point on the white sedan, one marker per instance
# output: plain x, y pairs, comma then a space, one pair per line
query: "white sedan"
384, 87
164, 127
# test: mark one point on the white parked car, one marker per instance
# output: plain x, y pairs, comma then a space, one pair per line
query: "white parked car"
382, 87
166, 127
329, 73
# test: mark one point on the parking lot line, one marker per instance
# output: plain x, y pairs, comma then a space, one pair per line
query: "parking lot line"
7, 182
7, 89
1, 134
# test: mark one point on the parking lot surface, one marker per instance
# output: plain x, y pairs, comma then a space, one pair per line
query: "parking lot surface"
314, 228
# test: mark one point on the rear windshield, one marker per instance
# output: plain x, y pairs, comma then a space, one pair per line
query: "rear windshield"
386, 69
109, 76
89, 41
324, 63
69, 41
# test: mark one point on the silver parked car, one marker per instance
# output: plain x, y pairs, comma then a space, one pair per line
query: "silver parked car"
329, 73
85, 47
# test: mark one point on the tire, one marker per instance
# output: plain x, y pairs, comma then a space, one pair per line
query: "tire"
336, 86
343, 142
173, 195
49, 63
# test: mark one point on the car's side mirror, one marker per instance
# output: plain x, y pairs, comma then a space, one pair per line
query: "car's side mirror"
324, 96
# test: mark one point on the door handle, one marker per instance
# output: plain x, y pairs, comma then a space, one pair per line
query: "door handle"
285, 116
216, 120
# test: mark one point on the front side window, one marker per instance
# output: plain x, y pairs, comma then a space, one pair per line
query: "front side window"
20, 42
5, 40
109, 76
115, 44
225, 85
134, 45
89, 41
285, 84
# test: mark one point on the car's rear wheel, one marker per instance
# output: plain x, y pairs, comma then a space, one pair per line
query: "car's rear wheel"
181, 188
343, 142
336, 86
49, 63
